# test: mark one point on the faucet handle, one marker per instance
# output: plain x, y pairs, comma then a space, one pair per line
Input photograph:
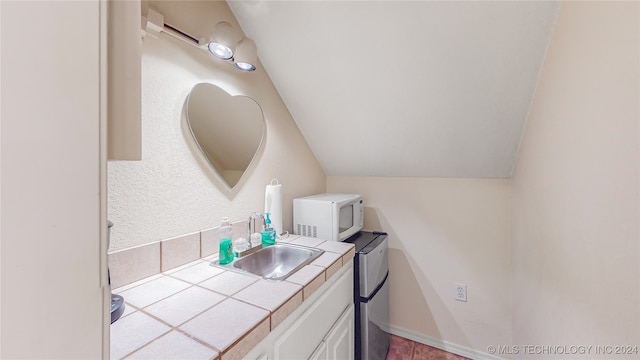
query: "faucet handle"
255, 224
256, 216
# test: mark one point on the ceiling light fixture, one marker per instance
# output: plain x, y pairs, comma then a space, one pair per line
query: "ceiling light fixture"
246, 55
225, 43
224, 40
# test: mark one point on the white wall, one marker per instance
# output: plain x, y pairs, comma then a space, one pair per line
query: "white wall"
169, 193
576, 186
51, 166
441, 231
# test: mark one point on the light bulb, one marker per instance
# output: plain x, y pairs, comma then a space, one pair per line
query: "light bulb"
220, 50
244, 66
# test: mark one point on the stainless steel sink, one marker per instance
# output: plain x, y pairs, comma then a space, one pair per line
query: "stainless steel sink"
275, 262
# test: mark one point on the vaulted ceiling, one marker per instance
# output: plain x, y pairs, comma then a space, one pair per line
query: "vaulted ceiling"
405, 88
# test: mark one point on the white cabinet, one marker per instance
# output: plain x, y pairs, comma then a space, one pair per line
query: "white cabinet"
124, 94
321, 328
338, 344
320, 353
340, 339
301, 339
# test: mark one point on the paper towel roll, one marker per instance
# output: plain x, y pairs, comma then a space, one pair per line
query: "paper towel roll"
273, 204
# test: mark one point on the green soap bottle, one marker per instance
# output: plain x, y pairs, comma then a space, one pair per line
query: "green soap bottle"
225, 254
269, 234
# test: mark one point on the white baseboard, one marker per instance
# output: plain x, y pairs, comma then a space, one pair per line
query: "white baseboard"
442, 345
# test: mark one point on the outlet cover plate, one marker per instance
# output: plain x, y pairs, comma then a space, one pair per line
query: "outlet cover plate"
460, 292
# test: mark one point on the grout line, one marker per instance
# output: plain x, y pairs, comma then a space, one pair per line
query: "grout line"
160, 270
176, 328
147, 343
198, 340
304, 287
135, 284
246, 334
189, 281
164, 298
206, 288
184, 266
288, 299
301, 292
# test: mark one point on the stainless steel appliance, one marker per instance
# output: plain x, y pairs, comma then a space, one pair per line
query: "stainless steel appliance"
371, 295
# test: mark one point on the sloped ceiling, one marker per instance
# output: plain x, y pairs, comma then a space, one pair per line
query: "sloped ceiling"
394, 88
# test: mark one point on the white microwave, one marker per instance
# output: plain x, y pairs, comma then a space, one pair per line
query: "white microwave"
328, 216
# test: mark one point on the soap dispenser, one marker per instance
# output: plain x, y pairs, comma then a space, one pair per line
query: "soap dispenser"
269, 233
225, 253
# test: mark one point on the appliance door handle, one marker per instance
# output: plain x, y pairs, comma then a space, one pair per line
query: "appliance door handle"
365, 300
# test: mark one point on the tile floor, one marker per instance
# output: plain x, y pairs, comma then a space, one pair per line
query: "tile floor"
405, 349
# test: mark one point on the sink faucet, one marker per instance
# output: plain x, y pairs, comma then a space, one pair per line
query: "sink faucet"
256, 223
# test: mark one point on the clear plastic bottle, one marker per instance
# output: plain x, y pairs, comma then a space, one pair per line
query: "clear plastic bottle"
225, 254
239, 245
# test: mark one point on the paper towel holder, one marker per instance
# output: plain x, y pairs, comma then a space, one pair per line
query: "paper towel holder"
273, 205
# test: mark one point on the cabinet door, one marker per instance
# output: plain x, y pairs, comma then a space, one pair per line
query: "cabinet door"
263, 357
320, 353
340, 340
301, 339
124, 83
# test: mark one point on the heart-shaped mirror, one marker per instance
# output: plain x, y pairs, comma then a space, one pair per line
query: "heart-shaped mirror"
228, 130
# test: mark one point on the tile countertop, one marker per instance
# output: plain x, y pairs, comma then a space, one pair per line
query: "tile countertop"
197, 311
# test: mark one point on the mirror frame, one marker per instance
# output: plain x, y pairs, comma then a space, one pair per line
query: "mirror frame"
201, 158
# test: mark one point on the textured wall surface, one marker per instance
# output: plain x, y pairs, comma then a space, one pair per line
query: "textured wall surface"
170, 192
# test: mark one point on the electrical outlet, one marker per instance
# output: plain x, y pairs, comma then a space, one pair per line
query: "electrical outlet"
461, 291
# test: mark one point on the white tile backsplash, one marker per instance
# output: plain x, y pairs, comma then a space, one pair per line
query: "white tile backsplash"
130, 265
209, 242
179, 251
